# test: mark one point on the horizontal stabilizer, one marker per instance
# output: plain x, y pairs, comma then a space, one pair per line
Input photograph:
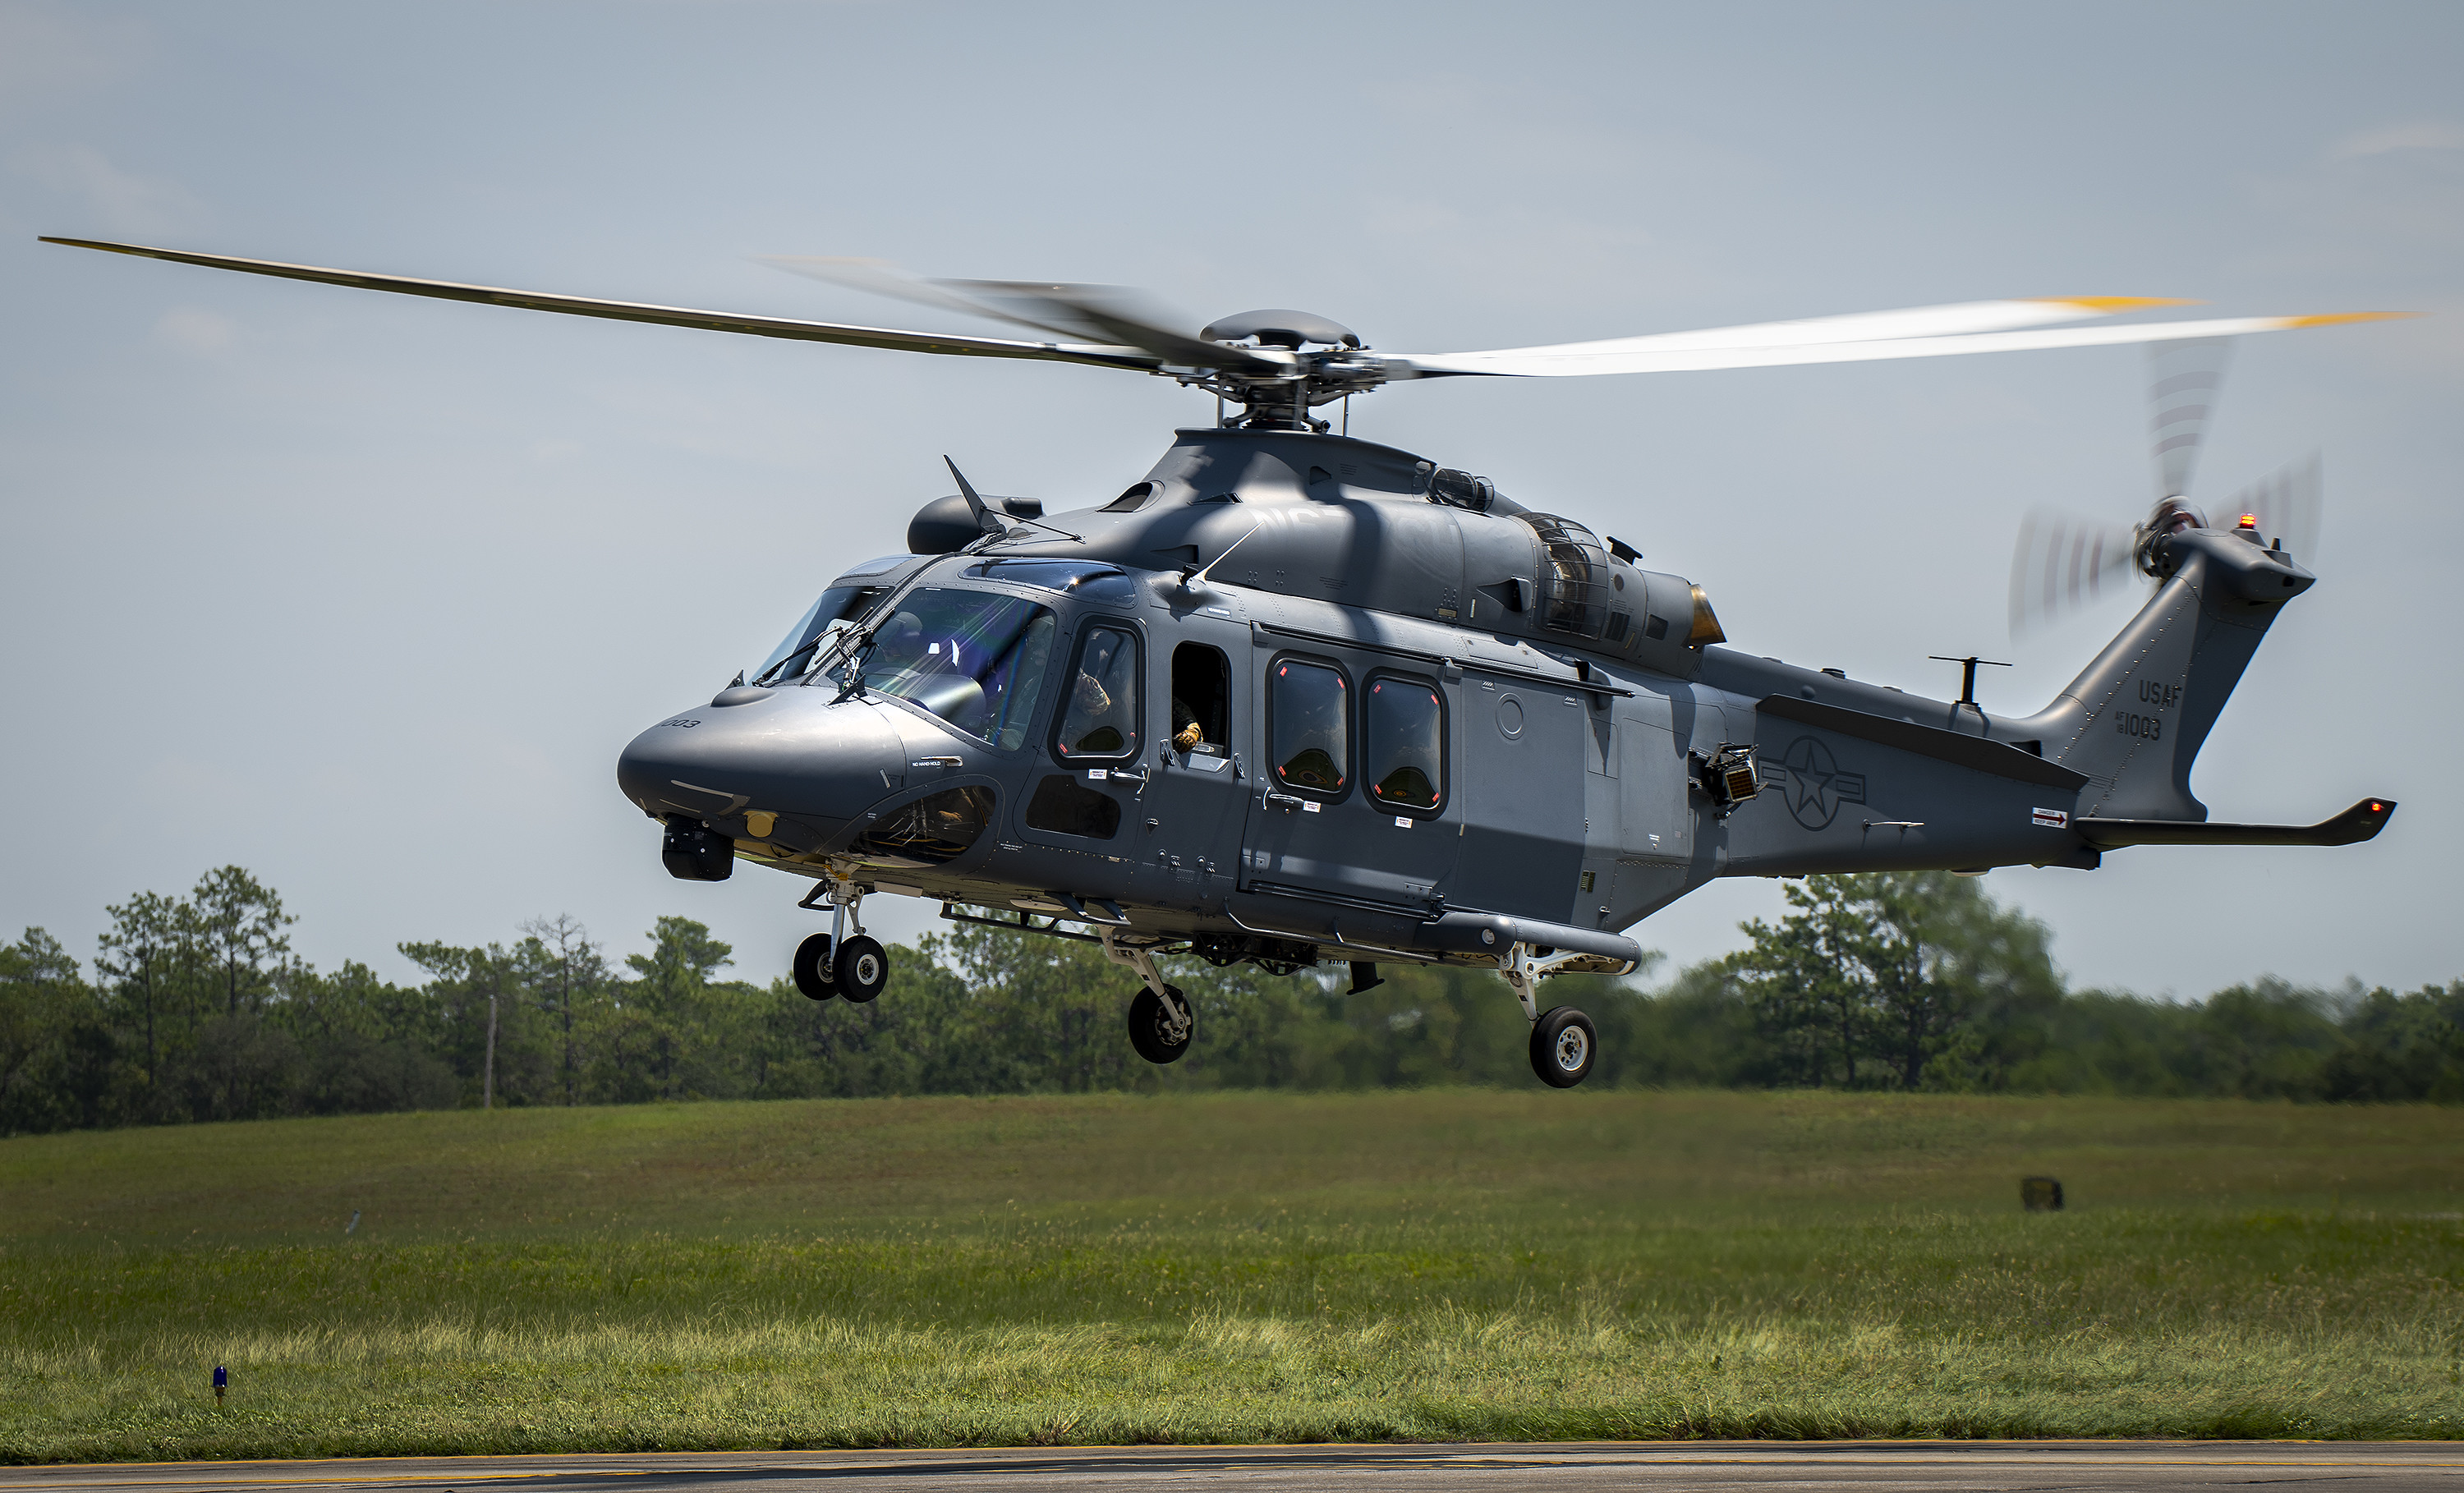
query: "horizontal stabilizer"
1955, 747
2362, 821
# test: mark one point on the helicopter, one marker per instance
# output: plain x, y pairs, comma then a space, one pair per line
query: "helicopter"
1293, 698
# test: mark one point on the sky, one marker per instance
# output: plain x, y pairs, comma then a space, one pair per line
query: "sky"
366, 593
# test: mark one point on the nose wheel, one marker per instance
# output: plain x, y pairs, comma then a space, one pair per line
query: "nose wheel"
834, 963
815, 974
862, 968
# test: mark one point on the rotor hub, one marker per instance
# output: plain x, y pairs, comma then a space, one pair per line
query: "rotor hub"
1293, 330
1322, 363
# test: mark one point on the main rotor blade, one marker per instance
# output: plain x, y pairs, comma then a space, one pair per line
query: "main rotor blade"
2183, 380
1960, 318
1577, 359
881, 277
1099, 355
1123, 314
1110, 312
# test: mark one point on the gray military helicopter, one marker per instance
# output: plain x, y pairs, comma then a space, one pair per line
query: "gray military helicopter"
1292, 697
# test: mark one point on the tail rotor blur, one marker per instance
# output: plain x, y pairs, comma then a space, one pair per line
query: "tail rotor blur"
2065, 562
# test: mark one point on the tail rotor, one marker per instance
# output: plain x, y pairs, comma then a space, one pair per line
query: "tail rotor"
2065, 562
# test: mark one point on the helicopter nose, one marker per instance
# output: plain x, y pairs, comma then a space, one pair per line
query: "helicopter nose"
793, 761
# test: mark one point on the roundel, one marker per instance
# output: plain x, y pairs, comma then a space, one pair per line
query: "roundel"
1816, 785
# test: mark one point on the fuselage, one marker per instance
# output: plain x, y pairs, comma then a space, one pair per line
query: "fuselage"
1399, 716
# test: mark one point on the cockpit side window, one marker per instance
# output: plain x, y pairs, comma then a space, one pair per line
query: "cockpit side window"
977, 659
1099, 721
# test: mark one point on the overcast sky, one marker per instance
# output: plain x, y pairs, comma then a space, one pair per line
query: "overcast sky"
366, 593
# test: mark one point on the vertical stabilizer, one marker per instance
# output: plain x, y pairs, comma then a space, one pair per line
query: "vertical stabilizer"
2135, 718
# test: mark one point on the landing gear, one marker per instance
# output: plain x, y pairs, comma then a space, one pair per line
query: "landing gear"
862, 967
1160, 1020
1153, 1031
832, 963
814, 974
1563, 1043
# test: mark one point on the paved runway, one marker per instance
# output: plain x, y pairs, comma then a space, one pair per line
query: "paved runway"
1662, 1466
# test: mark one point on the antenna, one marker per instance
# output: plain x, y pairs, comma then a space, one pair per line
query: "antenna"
984, 519
975, 504
1192, 578
1968, 674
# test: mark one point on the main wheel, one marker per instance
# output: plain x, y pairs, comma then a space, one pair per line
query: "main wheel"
1150, 1026
862, 968
814, 976
1563, 1043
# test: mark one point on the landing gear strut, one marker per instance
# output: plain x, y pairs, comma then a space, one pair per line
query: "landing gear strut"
834, 964
1160, 1021
1564, 1042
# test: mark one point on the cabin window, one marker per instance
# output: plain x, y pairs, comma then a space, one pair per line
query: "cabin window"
1403, 737
1202, 688
974, 658
1099, 722
1309, 720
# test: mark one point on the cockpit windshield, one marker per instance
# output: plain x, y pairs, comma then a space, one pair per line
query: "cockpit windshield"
977, 659
840, 605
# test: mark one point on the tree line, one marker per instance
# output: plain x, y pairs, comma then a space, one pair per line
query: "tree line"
196, 1009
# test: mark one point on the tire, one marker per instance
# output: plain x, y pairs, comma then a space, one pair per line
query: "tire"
1147, 1027
1564, 1042
814, 975
860, 969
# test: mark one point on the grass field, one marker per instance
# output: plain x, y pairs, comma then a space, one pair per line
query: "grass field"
1232, 1267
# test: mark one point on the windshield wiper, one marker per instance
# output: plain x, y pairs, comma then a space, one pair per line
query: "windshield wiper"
764, 677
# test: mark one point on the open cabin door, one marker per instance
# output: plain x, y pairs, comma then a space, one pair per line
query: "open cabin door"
1197, 795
